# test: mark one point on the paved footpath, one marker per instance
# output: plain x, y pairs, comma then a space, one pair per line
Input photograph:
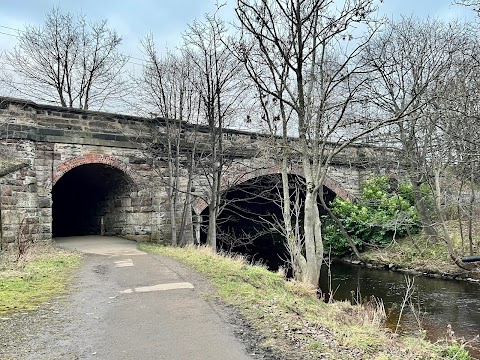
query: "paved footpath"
132, 305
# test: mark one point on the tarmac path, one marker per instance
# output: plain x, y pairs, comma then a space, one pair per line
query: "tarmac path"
128, 304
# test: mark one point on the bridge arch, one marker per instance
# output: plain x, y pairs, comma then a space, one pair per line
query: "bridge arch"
92, 195
248, 222
244, 175
93, 158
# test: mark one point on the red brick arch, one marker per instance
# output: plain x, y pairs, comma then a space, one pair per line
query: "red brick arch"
93, 158
242, 176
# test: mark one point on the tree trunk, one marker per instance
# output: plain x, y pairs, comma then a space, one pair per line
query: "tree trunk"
197, 219
446, 235
212, 225
313, 238
297, 259
460, 214
172, 188
187, 221
173, 216
470, 215
424, 214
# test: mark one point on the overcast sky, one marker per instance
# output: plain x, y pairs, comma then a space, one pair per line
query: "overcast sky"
167, 19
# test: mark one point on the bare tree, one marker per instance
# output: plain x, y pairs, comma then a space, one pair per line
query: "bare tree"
406, 69
459, 126
417, 78
474, 4
465, 148
67, 61
193, 95
166, 87
217, 84
302, 54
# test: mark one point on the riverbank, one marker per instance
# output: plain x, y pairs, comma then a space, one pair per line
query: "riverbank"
417, 255
292, 323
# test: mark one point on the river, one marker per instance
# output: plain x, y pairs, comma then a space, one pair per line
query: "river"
438, 302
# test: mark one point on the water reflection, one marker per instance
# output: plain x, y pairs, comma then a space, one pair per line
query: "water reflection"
438, 302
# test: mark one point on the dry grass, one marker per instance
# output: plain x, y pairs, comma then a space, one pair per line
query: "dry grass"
300, 289
293, 323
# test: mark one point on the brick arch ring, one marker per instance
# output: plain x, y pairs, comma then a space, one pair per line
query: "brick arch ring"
201, 204
93, 158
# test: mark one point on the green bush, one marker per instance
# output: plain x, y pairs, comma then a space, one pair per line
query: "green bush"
456, 351
384, 209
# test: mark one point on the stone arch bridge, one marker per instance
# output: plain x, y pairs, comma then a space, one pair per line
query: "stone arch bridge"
68, 171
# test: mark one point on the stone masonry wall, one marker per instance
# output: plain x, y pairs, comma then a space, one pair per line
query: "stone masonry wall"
26, 194
53, 141
21, 215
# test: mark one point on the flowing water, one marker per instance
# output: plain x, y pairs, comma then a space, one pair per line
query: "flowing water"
438, 303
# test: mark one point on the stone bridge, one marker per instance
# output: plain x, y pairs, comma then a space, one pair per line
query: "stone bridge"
67, 171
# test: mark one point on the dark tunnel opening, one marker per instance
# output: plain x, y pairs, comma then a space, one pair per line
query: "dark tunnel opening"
84, 196
250, 212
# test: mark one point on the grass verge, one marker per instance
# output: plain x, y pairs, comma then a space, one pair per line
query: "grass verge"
293, 323
39, 276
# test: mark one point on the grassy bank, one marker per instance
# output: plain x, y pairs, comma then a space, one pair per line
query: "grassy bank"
37, 277
423, 255
293, 323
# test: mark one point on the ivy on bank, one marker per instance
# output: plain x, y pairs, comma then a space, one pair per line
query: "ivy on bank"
384, 210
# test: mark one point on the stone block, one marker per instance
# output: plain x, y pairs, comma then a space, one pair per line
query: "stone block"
46, 229
9, 235
44, 202
137, 160
141, 202
7, 200
26, 199
11, 179
138, 218
51, 132
12, 216
143, 192
108, 137
31, 220
44, 147
32, 188
45, 237
46, 212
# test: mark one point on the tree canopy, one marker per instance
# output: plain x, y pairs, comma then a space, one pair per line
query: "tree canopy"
67, 61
